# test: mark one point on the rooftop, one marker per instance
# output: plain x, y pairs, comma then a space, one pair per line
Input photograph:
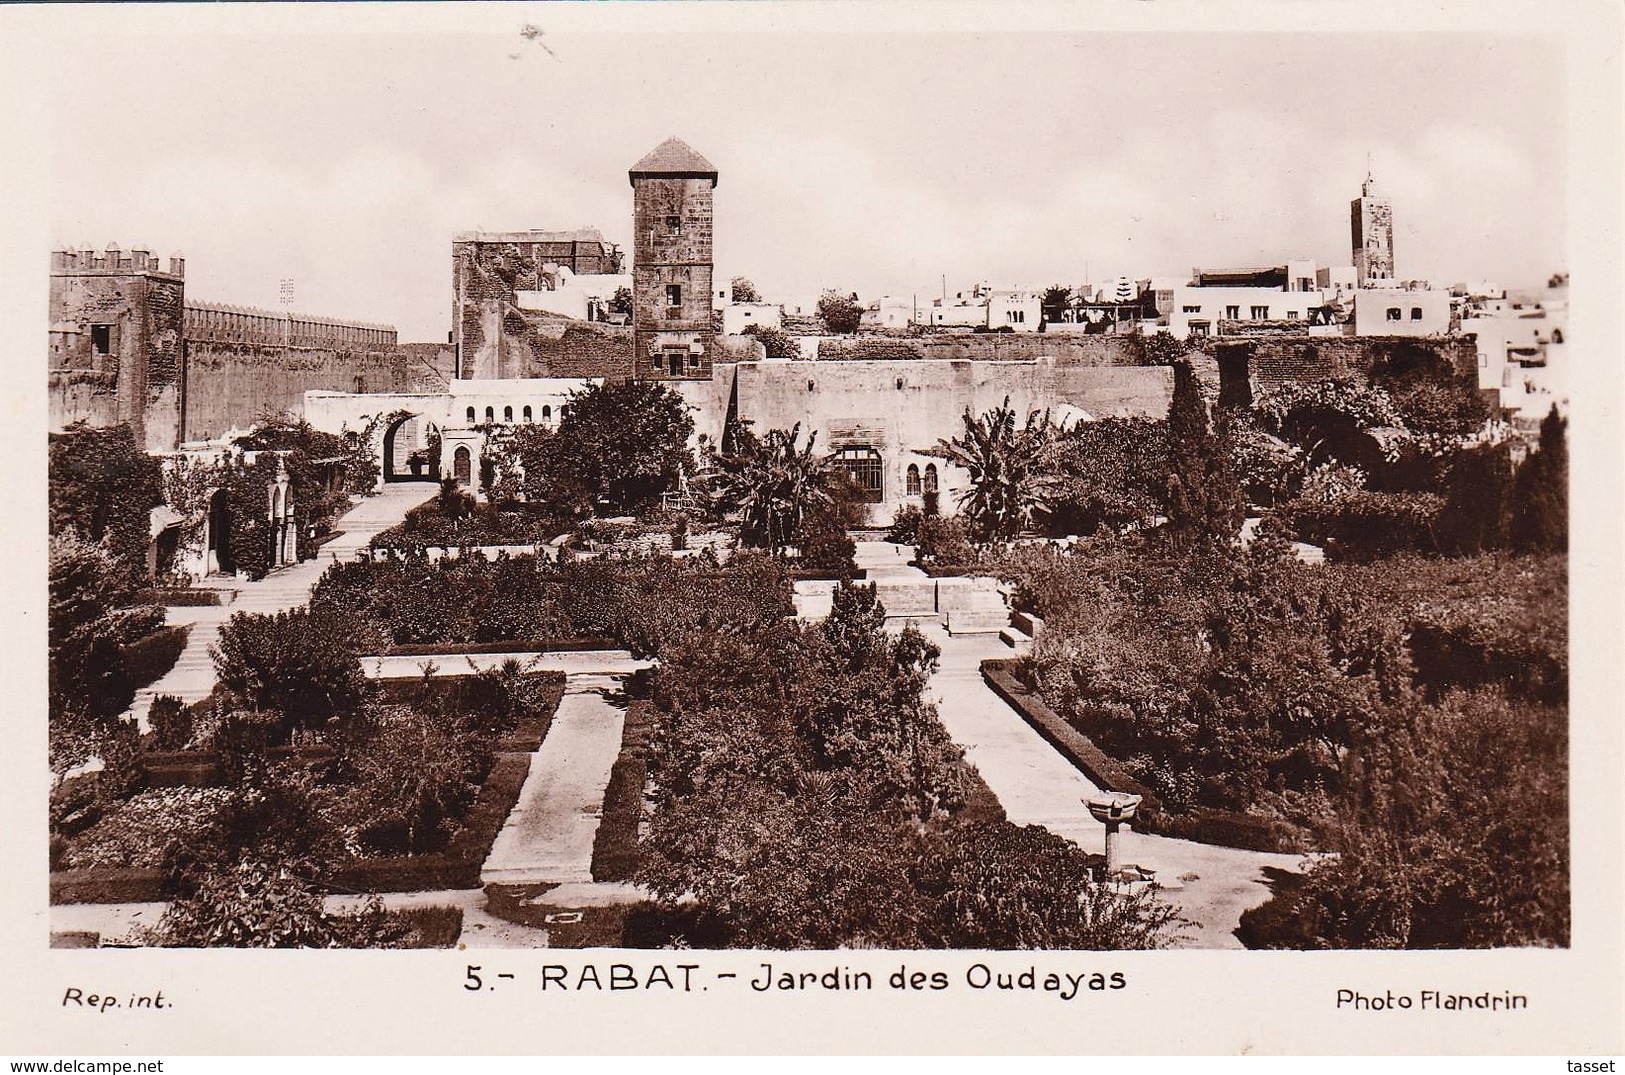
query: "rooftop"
673, 158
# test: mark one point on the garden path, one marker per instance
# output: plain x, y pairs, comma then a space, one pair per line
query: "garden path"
192, 677
1211, 885
548, 836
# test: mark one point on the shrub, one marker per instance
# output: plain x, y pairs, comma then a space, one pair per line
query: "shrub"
299, 664
905, 527
1363, 526
945, 542
252, 904
171, 721
415, 777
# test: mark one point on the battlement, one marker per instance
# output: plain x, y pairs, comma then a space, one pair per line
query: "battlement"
215, 322
115, 260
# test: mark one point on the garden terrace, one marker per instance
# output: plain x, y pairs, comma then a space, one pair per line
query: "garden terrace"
408, 792
802, 793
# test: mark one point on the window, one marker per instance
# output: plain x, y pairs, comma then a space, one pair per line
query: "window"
674, 358
1261, 313
1292, 315
693, 360
1191, 309
507, 414
864, 466
101, 339
1557, 335
1232, 313
930, 483
471, 416
490, 415
547, 413
526, 413
674, 224
1416, 313
360, 385
674, 294
911, 484
1393, 313
1199, 328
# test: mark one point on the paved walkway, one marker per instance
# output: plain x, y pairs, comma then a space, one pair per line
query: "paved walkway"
192, 677
548, 836
1211, 885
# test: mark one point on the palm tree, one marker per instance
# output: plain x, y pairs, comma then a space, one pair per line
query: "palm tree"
1011, 469
773, 484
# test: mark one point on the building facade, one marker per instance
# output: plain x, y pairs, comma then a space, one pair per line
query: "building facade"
672, 264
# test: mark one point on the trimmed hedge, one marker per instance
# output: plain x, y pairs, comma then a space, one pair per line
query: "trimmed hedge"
147, 659
1202, 824
615, 854
1076, 747
533, 645
458, 865
178, 597
1227, 829
204, 769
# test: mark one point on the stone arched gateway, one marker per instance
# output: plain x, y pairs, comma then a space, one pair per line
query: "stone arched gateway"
410, 450
217, 536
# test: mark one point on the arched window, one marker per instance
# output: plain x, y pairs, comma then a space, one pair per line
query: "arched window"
526, 413
1557, 335
930, 484
507, 414
471, 416
547, 413
865, 467
912, 482
490, 414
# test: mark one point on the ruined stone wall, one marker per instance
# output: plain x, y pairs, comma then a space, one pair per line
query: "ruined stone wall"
488, 271
1271, 362
235, 384
1069, 349
531, 345
137, 315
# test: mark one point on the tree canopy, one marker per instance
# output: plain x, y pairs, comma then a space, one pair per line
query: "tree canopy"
841, 312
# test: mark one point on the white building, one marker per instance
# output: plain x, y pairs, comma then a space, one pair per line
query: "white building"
1021, 310
1392, 311
1522, 343
1217, 311
737, 316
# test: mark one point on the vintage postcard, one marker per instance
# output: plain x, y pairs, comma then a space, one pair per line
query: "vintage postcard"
812, 528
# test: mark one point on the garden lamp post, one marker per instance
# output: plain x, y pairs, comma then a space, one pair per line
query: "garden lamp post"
1112, 808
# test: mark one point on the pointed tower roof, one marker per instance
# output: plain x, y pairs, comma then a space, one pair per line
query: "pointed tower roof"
673, 159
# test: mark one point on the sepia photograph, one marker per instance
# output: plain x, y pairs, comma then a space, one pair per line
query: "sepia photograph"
547, 484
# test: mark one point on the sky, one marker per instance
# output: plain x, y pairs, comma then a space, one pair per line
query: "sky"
881, 163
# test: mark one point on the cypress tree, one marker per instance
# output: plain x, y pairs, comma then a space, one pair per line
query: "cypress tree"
1204, 497
1474, 517
1540, 501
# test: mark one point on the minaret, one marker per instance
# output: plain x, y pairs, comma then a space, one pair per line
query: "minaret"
1371, 220
671, 264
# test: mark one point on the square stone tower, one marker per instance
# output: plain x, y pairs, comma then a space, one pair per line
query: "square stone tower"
673, 338
1371, 219
117, 352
